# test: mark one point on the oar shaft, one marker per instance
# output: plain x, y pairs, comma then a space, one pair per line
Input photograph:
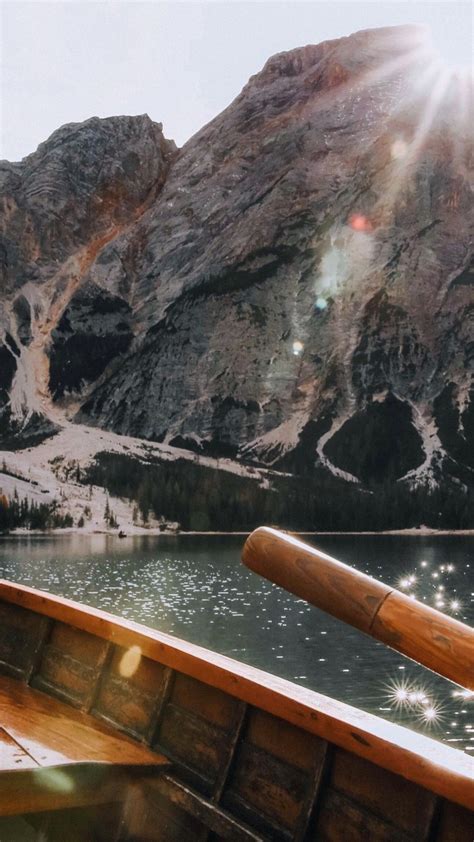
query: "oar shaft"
435, 640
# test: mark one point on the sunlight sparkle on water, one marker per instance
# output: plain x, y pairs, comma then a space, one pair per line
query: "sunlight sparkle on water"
418, 698
405, 696
408, 698
463, 694
402, 693
430, 714
407, 581
442, 599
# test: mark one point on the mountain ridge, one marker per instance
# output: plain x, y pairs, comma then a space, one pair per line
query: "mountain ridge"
292, 288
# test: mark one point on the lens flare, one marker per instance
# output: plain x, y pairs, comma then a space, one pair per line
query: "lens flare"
54, 780
399, 149
360, 222
130, 661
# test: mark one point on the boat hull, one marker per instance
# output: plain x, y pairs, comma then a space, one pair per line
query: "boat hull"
253, 757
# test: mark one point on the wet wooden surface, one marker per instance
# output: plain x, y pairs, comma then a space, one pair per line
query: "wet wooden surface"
54, 757
439, 642
315, 576
435, 640
12, 755
51, 732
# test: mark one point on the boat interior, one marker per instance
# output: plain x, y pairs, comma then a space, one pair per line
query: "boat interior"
114, 732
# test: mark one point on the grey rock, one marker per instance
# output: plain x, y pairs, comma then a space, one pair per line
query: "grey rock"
297, 274
58, 208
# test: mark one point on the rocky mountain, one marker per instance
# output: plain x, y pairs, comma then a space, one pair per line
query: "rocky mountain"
59, 208
293, 288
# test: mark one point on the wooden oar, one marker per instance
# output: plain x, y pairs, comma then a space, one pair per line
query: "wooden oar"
435, 640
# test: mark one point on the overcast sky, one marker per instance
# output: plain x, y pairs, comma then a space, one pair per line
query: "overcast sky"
180, 62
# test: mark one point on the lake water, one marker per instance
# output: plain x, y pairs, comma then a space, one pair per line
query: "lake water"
196, 588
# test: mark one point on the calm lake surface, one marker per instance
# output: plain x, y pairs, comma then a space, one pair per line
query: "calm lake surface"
196, 588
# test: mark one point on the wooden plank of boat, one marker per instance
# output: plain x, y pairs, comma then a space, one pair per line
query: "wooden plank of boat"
61, 788
53, 733
255, 756
53, 756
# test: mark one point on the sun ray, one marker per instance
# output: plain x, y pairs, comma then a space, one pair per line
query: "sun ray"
405, 165
409, 63
412, 59
463, 90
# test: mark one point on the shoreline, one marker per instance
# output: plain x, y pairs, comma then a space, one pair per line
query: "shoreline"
139, 532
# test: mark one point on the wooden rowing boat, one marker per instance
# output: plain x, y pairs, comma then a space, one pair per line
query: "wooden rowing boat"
113, 731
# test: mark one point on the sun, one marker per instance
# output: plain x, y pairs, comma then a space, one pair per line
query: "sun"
438, 91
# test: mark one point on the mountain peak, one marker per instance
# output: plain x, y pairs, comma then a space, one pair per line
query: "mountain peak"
293, 288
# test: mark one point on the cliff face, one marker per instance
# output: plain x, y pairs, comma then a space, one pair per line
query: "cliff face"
294, 287
59, 207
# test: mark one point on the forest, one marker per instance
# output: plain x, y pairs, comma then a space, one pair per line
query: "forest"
201, 498
16, 513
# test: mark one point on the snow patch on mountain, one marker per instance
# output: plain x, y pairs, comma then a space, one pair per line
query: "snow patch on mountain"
48, 473
433, 450
325, 461
273, 445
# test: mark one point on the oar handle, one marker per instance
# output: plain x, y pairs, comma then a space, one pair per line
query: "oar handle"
435, 640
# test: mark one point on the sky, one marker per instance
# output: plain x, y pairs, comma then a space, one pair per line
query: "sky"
179, 62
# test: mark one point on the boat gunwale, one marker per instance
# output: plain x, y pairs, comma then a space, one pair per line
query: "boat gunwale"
430, 764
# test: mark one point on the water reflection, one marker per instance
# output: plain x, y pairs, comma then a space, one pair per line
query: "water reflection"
196, 588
